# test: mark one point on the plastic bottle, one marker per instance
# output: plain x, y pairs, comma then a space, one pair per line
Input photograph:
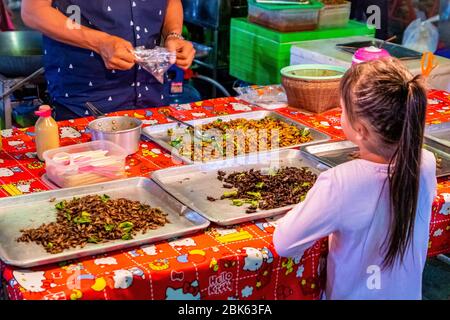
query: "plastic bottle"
47, 131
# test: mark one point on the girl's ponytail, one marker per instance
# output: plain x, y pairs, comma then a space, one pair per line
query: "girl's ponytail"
404, 173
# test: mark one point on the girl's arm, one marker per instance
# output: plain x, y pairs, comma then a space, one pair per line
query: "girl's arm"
40, 15
313, 219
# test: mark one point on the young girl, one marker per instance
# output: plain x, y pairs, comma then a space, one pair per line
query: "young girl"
376, 210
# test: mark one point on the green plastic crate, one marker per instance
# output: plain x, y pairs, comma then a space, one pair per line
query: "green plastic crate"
257, 54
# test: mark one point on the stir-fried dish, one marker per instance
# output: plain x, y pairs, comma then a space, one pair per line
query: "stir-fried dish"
94, 219
221, 139
266, 190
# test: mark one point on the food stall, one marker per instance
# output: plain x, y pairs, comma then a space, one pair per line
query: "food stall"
218, 262
141, 204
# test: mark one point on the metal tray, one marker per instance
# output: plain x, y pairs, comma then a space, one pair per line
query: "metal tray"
332, 153
440, 152
192, 184
335, 153
439, 133
32, 210
158, 133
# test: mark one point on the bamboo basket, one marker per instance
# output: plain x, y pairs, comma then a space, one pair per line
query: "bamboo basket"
308, 87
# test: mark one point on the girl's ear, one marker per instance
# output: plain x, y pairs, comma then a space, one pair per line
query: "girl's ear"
362, 134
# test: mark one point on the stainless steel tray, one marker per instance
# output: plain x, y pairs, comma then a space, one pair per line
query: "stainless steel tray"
440, 152
439, 133
193, 184
32, 210
158, 133
335, 153
331, 153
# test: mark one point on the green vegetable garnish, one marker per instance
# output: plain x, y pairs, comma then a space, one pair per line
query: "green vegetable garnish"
126, 236
259, 185
49, 245
253, 203
105, 197
93, 240
68, 216
60, 205
255, 194
109, 227
230, 194
176, 142
126, 226
306, 184
85, 218
305, 132
238, 202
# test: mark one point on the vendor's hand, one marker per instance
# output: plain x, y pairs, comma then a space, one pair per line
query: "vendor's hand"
117, 53
184, 49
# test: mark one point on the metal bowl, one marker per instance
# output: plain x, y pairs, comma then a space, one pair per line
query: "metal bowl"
122, 130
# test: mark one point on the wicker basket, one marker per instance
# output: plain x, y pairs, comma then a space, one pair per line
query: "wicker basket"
312, 93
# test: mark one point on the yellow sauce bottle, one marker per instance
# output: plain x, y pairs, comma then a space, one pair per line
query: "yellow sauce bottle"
47, 131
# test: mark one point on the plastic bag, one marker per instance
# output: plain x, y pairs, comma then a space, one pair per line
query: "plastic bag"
262, 94
421, 36
267, 97
156, 61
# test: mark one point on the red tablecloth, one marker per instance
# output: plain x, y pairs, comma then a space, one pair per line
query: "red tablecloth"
221, 263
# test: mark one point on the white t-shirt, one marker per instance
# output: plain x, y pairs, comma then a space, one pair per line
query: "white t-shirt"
349, 204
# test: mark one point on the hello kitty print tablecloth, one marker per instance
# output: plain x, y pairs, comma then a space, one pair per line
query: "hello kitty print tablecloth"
238, 262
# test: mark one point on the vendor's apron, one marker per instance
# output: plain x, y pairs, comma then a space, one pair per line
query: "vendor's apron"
78, 75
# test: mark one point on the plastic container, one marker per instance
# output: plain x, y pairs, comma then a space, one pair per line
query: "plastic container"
334, 15
313, 87
66, 169
285, 18
257, 54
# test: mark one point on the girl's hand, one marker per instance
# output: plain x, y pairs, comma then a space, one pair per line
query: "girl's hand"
184, 49
116, 53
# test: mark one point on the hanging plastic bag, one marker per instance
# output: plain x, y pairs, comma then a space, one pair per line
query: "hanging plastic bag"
156, 61
421, 36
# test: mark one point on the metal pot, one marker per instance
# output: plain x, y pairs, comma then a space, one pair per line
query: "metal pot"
123, 131
20, 53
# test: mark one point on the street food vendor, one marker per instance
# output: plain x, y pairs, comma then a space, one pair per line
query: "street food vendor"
94, 61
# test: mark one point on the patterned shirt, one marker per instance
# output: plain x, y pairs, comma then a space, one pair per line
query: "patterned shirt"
77, 75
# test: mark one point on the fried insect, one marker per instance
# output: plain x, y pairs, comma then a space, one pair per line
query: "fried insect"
94, 219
